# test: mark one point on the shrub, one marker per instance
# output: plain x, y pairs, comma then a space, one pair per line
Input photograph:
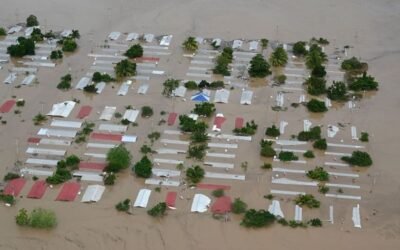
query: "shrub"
316, 106
309, 154
238, 206
118, 158
318, 173
364, 83
358, 158
280, 79
259, 67
321, 40
195, 174
123, 206
273, 131
269, 196
249, 129
204, 109
65, 82
266, 149
69, 45
323, 189
313, 134
20, 103
218, 193
299, 49
287, 156
22, 218
42, 218
316, 85
364, 137
125, 122
256, 219
320, 144
145, 149
294, 224
125, 68
217, 85
337, 91
279, 57
191, 85
154, 136
315, 222
134, 51
146, 111
10, 176
39, 119
2, 32
109, 179
143, 167
169, 86
283, 222
307, 200
158, 210
32, 21
266, 166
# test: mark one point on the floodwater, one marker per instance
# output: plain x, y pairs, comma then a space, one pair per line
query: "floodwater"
371, 27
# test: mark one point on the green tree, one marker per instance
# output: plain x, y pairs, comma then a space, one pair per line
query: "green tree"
195, 174
256, 219
118, 158
43, 218
238, 206
125, 68
25, 46
316, 106
72, 161
279, 57
37, 35
3, 32
316, 85
312, 135
158, 210
99, 77
190, 44
22, 218
358, 158
309, 154
222, 62
169, 86
123, 206
186, 123
318, 71
249, 129
10, 176
134, 51
364, 137
56, 54
287, 156
191, 85
32, 21
272, 131
204, 109
75, 34
307, 200
299, 48
146, 111
264, 43
259, 67
69, 45
197, 151
143, 167
353, 64
65, 82
266, 149
320, 144
337, 91
315, 57
364, 83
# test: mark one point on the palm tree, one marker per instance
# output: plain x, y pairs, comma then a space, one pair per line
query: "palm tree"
195, 174
279, 57
190, 44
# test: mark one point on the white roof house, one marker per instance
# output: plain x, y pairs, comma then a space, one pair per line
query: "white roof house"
36, 172
132, 36
10, 78
275, 209
179, 91
113, 127
83, 82
237, 44
114, 35
169, 183
66, 33
66, 124
28, 79
253, 45
123, 90
131, 115
93, 193
46, 162
246, 97
166, 40
199, 40
148, 37
356, 216
45, 151
217, 42
221, 96
107, 113
100, 87
88, 176
143, 89
142, 198
57, 132
14, 29
62, 109
200, 203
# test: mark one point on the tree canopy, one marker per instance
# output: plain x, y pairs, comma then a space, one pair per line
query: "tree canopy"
204, 109
272, 131
279, 57
365, 82
186, 123
238, 206
195, 174
256, 219
315, 57
169, 86
125, 68
2, 32
358, 158
134, 51
118, 158
222, 62
299, 48
259, 67
316, 106
69, 45
99, 77
319, 174
158, 210
316, 85
190, 44
32, 21
143, 167
337, 91
25, 46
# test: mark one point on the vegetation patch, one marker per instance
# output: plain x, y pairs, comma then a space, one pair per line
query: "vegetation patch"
358, 158
320, 144
249, 129
195, 174
309, 154
158, 210
143, 167
257, 218
287, 156
38, 218
273, 131
316, 106
223, 61
266, 149
307, 200
259, 67
319, 174
204, 109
